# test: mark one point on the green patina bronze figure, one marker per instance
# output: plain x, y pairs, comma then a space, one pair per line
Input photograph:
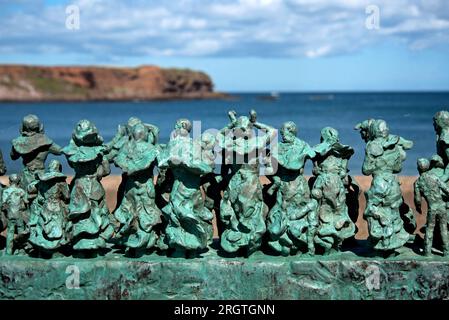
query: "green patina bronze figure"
384, 155
48, 212
3, 221
441, 126
242, 210
33, 146
92, 224
432, 186
16, 210
328, 188
291, 222
189, 222
137, 214
123, 136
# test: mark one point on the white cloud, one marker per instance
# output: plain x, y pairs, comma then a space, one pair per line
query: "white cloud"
263, 28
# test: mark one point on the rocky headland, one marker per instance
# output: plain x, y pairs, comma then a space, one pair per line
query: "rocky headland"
85, 83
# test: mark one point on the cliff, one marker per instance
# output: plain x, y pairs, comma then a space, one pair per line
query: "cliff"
35, 83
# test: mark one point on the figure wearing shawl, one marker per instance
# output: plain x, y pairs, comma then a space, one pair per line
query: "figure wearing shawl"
138, 215
189, 222
15, 209
330, 170
291, 223
33, 146
242, 210
123, 136
92, 224
48, 221
441, 126
384, 155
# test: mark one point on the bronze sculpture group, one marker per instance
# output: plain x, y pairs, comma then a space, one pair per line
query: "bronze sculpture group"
170, 193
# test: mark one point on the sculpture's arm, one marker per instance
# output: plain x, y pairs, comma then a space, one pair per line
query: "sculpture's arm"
368, 165
14, 154
275, 186
270, 133
444, 187
55, 149
406, 144
2, 165
121, 132
309, 151
417, 196
65, 193
104, 169
233, 119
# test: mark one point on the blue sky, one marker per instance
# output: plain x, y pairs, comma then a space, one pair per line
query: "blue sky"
245, 45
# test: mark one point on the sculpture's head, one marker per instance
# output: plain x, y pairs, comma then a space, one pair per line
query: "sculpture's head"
436, 162
133, 121
329, 135
54, 166
244, 124
31, 125
363, 127
379, 129
208, 141
86, 133
183, 127
441, 120
423, 165
243, 128
289, 131
14, 180
140, 133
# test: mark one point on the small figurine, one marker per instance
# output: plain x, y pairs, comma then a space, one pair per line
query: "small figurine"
330, 171
431, 185
15, 209
384, 155
92, 224
189, 222
138, 214
242, 210
291, 222
441, 126
48, 217
123, 136
33, 146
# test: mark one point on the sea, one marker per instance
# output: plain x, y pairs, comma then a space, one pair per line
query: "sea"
408, 114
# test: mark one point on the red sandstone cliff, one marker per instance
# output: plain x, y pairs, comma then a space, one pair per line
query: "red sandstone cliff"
34, 83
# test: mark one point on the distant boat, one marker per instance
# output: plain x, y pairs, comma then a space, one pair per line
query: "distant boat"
327, 97
271, 97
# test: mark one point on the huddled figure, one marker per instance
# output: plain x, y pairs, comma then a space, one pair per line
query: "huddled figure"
330, 171
189, 227
384, 155
292, 221
170, 193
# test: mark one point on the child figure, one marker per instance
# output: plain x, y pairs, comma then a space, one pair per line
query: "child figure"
430, 185
48, 217
15, 208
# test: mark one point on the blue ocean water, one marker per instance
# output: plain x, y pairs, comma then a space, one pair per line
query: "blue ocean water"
408, 114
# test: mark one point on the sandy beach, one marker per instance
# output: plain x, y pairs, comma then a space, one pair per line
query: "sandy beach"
111, 184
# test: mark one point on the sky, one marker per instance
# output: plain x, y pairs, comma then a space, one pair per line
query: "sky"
244, 45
